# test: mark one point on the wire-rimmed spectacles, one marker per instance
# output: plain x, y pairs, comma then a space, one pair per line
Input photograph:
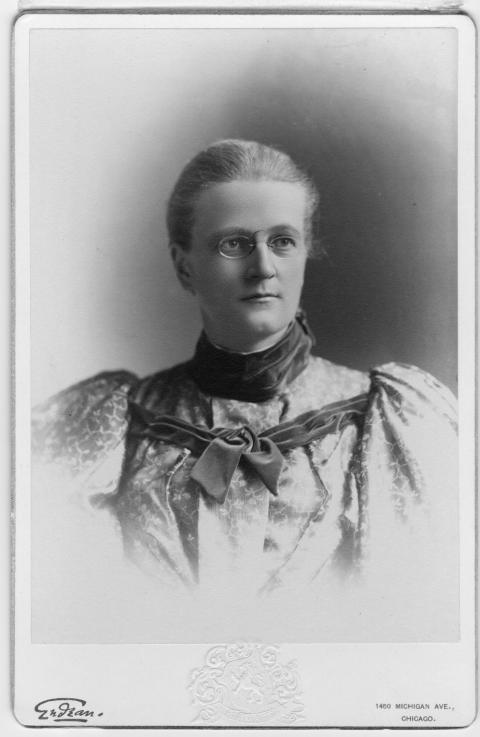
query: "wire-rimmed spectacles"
240, 246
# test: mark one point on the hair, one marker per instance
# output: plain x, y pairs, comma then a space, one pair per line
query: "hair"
227, 161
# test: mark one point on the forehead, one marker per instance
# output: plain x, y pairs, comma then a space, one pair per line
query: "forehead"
253, 205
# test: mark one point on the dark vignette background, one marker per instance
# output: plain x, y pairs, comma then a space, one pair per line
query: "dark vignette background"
115, 114
386, 288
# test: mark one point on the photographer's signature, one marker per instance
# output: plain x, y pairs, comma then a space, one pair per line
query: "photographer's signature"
65, 710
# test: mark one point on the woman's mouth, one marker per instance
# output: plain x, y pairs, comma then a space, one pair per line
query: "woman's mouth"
260, 297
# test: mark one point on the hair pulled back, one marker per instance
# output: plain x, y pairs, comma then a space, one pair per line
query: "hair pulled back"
227, 161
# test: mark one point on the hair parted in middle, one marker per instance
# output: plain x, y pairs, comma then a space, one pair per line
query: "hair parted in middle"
229, 160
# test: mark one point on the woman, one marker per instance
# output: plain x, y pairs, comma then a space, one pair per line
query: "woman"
256, 467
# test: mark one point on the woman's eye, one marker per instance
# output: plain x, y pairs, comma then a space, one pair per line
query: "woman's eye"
237, 245
283, 243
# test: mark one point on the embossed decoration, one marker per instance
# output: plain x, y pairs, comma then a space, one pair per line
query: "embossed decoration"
244, 683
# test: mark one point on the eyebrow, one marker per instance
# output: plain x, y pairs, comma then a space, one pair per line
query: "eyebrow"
217, 235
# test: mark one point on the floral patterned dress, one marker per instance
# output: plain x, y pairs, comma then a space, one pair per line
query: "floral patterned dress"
370, 496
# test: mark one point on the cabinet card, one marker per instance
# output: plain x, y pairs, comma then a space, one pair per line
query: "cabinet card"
190, 549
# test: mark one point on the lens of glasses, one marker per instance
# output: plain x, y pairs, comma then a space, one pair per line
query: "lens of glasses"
283, 245
240, 246
237, 246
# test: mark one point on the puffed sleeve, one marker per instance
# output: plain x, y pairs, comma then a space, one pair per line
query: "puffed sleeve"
407, 485
79, 572
79, 433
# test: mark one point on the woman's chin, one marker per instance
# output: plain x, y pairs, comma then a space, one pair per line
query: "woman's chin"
257, 335
249, 331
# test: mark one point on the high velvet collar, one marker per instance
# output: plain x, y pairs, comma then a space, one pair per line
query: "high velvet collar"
252, 377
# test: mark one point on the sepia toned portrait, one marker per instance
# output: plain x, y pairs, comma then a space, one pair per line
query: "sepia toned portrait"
243, 264
243, 317
244, 406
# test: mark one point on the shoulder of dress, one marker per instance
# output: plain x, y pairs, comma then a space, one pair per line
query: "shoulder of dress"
103, 386
105, 382
155, 386
85, 417
404, 385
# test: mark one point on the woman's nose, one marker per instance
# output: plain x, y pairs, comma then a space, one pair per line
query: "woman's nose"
261, 262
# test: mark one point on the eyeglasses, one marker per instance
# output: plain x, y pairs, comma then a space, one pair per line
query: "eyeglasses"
241, 246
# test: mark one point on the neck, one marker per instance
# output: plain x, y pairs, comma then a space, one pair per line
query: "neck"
255, 375
247, 350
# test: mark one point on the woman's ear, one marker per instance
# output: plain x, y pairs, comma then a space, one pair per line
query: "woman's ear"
182, 266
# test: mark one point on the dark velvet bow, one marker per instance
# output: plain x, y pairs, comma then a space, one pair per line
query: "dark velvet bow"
219, 451
215, 467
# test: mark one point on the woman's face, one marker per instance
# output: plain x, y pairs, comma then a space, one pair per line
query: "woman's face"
246, 303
